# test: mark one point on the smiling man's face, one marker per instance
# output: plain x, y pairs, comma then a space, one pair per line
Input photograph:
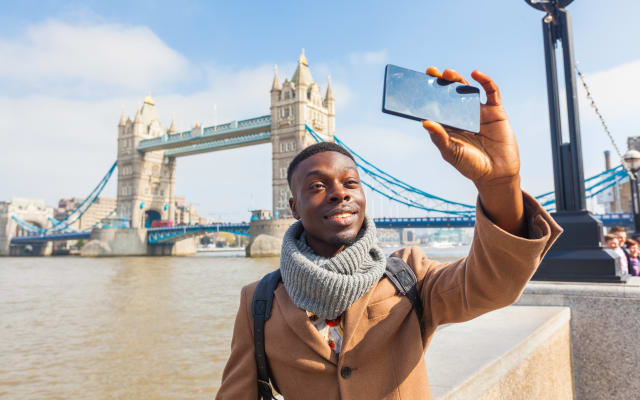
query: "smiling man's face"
328, 200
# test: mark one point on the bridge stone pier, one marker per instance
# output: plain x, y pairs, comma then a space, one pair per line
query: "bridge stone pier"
147, 154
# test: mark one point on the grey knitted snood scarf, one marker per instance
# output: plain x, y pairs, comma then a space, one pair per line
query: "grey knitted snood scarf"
328, 286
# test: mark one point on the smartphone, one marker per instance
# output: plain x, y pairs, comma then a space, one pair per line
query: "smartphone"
418, 96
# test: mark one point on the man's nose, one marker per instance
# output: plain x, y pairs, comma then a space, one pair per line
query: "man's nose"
338, 194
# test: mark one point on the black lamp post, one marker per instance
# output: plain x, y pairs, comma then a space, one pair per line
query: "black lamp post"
632, 159
578, 254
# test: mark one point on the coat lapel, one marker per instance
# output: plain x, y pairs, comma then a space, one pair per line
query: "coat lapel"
352, 319
299, 322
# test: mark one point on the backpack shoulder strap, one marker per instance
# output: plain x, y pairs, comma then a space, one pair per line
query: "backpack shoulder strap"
261, 311
405, 281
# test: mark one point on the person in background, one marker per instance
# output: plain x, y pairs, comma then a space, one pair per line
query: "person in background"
621, 234
634, 251
612, 241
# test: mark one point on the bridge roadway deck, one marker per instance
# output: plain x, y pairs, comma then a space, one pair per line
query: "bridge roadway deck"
37, 239
170, 234
254, 129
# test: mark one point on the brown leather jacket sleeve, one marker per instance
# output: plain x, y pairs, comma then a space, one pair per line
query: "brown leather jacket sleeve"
492, 276
240, 377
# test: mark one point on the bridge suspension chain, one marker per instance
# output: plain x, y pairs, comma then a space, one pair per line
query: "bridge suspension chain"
63, 224
84, 206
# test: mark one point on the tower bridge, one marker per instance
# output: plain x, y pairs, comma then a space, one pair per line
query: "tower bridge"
300, 115
147, 152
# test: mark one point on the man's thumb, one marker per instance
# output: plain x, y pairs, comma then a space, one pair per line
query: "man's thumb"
439, 136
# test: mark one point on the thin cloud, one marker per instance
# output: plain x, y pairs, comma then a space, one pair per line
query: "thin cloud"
76, 59
368, 57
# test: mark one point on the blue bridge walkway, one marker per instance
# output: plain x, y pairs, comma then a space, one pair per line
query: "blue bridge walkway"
162, 235
218, 137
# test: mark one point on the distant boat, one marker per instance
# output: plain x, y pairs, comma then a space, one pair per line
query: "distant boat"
441, 245
213, 249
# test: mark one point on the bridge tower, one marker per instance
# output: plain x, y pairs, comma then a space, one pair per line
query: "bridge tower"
295, 103
146, 181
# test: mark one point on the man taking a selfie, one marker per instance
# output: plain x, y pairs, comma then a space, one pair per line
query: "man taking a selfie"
338, 327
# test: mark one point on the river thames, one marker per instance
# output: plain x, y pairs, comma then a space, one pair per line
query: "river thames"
123, 327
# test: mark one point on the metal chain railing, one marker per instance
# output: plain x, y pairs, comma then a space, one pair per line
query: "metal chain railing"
604, 124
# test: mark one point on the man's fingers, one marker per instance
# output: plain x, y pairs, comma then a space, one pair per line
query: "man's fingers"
433, 71
439, 136
489, 86
453, 76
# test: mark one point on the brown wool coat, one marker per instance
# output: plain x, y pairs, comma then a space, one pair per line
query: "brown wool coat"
383, 350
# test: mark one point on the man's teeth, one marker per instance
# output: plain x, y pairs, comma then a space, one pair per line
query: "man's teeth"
342, 215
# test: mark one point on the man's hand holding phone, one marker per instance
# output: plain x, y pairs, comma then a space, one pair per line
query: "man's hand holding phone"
490, 159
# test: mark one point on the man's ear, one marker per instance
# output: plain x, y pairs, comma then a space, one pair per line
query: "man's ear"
292, 206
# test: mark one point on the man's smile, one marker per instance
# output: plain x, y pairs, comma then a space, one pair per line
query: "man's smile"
341, 217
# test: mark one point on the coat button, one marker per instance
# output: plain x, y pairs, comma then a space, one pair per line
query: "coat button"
345, 372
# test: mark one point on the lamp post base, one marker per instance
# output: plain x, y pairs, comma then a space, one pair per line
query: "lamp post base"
578, 255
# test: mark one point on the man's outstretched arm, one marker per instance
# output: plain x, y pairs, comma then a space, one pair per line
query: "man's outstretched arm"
513, 232
489, 159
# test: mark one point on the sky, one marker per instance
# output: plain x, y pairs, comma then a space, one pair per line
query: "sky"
69, 69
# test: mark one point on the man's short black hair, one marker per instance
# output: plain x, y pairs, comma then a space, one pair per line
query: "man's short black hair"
315, 149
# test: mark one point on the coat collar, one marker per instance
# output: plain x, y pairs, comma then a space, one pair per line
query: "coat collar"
298, 321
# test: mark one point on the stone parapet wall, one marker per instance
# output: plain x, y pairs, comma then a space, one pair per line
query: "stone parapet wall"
604, 331
512, 353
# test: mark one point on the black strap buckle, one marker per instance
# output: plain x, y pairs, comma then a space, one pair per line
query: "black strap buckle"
266, 390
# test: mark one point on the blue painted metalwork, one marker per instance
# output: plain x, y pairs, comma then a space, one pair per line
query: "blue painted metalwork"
208, 134
221, 144
170, 234
467, 222
37, 239
625, 219
115, 223
85, 204
26, 226
63, 224
426, 222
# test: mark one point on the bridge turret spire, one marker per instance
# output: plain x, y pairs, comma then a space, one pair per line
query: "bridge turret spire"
123, 119
302, 76
275, 86
329, 94
172, 127
138, 118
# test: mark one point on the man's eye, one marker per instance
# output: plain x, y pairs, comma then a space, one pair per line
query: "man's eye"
316, 185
